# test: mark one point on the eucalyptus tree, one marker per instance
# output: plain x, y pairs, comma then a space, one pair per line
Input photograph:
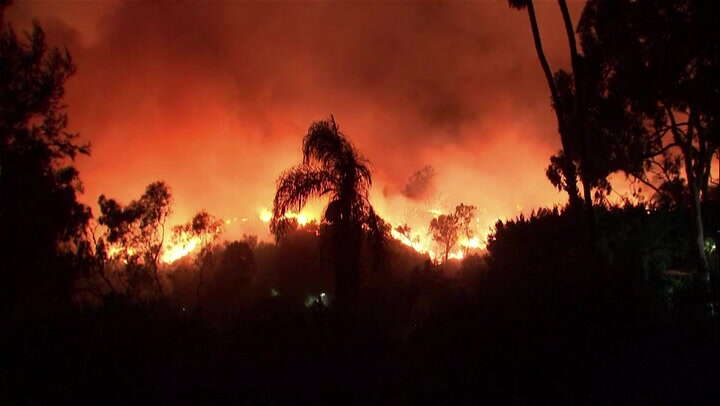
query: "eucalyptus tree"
448, 229
136, 233
563, 171
661, 60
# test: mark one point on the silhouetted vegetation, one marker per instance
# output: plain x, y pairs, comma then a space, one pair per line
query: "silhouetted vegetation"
447, 229
336, 311
332, 167
41, 220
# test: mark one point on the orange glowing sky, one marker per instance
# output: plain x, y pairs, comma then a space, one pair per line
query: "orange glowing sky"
214, 97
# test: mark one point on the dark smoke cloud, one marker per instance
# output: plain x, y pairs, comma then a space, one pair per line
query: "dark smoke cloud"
214, 96
421, 184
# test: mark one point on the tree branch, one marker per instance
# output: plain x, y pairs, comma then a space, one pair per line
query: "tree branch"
661, 151
543, 60
647, 183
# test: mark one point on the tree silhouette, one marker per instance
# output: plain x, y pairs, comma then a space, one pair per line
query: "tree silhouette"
420, 184
565, 168
404, 230
137, 233
234, 270
203, 229
465, 214
661, 60
332, 168
587, 122
41, 221
447, 229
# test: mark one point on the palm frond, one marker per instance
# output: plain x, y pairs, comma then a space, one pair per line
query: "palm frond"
295, 186
363, 175
324, 143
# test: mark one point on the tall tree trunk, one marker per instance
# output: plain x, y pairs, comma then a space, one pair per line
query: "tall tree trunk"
701, 284
569, 172
589, 209
347, 269
696, 217
571, 187
541, 56
702, 280
696, 221
579, 123
447, 253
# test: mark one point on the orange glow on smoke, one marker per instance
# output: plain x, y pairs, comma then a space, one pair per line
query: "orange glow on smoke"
177, 74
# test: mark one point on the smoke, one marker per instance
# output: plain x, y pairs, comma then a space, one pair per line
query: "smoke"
214, 97
421, 184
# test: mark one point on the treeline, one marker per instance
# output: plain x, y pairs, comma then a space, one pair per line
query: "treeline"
640, 98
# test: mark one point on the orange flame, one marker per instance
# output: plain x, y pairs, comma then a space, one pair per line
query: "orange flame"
424, 244
421, 242
303, 217
173, 252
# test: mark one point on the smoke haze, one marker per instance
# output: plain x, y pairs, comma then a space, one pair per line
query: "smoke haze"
214, 97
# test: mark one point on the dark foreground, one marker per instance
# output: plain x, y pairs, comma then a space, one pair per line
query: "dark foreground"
272, 355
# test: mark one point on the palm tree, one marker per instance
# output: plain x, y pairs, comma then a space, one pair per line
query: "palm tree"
331, 167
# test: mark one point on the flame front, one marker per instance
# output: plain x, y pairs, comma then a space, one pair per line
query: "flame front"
303, 217
173, 252
421, 242
425, 245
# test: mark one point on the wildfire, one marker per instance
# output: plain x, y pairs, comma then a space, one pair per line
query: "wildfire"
265, 215
422, 242
471, 243
186, 242
425, 245
173, 252
115, 250
414, 243
302, 217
